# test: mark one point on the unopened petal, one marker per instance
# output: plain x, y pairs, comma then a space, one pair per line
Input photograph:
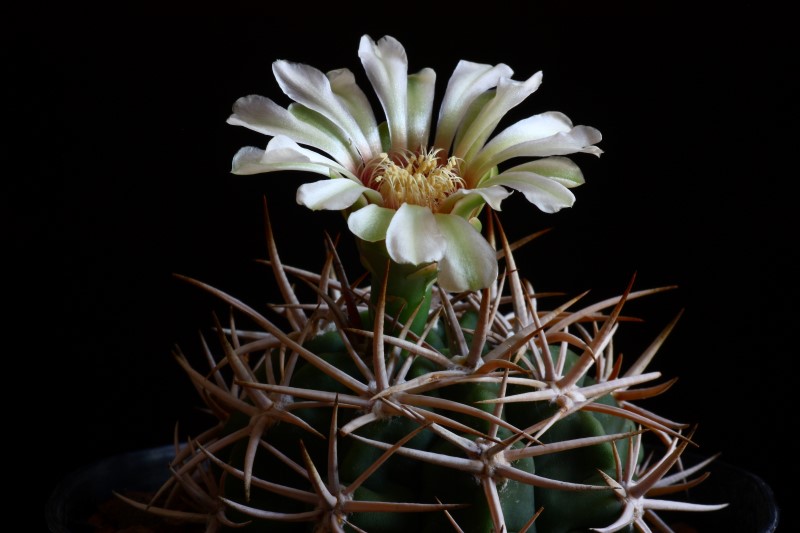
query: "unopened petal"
469, 263
413, 236
371, 222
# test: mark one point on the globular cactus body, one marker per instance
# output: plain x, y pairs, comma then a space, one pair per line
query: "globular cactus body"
406, 479
463, 425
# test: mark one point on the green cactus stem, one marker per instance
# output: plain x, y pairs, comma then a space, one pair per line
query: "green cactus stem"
407, 287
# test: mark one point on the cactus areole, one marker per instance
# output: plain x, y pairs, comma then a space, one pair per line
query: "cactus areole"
443, 393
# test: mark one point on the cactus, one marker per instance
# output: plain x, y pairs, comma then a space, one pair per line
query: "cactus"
435, 392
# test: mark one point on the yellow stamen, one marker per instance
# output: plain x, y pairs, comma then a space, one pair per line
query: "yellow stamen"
414, 178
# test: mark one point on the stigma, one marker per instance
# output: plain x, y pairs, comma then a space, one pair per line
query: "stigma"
418, 178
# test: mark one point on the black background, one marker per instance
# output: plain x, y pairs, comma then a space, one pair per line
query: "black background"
116, 175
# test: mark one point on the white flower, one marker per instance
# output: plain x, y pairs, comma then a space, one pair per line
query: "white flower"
421, 196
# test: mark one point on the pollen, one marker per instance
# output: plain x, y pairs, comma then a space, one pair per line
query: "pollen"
419, 178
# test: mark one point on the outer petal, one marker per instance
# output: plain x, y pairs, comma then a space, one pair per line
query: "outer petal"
413, 236
530, 129
265, 116
545, 193
490, 195
467, 82
311, 88
283, 153
509, 94
250, 160
333, 194
578, 139
371, 222
470, 262
560, 169
386, 65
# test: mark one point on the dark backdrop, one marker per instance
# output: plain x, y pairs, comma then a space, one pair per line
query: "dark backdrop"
116, 175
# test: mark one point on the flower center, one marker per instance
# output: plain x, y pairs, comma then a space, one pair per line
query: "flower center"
413, 178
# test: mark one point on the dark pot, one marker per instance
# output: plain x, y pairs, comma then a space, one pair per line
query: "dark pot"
752, 506
74, 504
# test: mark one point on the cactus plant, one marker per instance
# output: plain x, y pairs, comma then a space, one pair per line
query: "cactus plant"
435, 391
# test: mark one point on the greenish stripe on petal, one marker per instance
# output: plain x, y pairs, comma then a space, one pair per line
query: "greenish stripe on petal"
468, 206
413, 236
332, 194
420, 106
469, 263
370, 222
463, 201
545, 193
472, 113
326, 128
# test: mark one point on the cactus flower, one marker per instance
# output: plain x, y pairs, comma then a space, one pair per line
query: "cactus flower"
418, 190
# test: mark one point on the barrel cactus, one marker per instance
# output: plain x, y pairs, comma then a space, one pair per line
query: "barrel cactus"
436, 391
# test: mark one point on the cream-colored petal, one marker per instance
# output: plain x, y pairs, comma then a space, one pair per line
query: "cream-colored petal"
310, 87
509, 94
413, 236
467, 82
578, 139
344, 86
282, 149
558, 168
250, 160
332, 194
371, 222
469, 263
386, 65
545, 193
489, 195
530, 129
420, 106
261, 114
282, 153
